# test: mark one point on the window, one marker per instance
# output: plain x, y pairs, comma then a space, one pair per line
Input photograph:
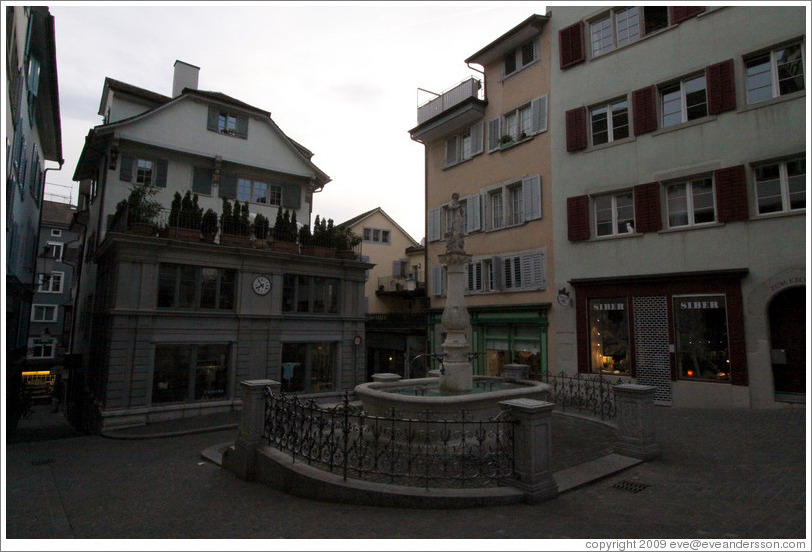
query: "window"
147, 172
51, 284
515, 212
518, 124
227, 122
780, 187
376, 235
614, 214
610, 122
464, 146
690, 203
43, 313
194, 287
512, 343
775, 73
143, 172
308, 366
310, 294
497, 219
185, 373
56, 233
609, 336
511, 204
521, 57
53, 250
258, 192
38, 348
684, 101
700, 328
623, 26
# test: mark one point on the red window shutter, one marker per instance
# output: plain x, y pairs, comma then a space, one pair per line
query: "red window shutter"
681, 13
731, 194
644, 105
576, 129
578, 218
721, 81
571, 45
647, 215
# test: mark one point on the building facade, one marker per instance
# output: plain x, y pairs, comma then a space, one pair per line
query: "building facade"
396, 302
171, 320
680, 190
487, 140
33, 137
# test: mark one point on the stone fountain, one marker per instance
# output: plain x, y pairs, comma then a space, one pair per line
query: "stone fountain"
457, 389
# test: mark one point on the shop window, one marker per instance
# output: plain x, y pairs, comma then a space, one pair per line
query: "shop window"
308, 366
700, 327
185, 373
609, 336
513, 344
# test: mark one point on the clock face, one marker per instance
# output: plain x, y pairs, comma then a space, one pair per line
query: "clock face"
262, 285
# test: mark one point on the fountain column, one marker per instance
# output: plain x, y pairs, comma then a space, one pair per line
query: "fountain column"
457, 375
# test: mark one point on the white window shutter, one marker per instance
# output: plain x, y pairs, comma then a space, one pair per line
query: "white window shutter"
437, 281
473, 212
477, 139
433, 232
532, 271
494, 133
452, 151
531, 192
538, 110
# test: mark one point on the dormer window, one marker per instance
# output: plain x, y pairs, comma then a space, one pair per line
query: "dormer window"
521, 57
227, 122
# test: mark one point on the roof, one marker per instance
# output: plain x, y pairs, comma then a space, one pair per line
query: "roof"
359, 218
57, 213
514, 38
144, 94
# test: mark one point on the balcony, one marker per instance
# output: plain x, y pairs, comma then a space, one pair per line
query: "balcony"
457, 107
401, 286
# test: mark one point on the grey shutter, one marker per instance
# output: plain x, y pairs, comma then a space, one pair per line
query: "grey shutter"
532, 270
126, 171
228, 186
33, 75
451, 150
291, 196
437, 281
494, 131
496, 272
160, 178
538, 109
433, 225
242, 126
201, 181
477, 139
396, 269
473, 213
531, 197
213, 119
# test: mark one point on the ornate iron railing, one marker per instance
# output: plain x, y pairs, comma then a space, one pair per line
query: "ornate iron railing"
589, 393
413, 452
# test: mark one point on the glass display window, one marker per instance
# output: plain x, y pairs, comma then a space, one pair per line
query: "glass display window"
609, 336
700, 328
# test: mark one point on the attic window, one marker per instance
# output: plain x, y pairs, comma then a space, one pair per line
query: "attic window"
521, 57
227, 122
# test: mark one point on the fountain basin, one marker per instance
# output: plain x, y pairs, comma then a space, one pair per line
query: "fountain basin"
417, 398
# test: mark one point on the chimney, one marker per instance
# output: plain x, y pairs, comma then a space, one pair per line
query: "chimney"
185, 77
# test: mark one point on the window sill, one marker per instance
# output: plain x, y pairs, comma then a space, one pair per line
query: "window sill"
691, 227
514, 143
772, 101
681, 126
611, 144
627, 235
780, 214
519, 70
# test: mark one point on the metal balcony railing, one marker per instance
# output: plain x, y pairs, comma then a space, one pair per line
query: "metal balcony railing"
400, 283
469, 88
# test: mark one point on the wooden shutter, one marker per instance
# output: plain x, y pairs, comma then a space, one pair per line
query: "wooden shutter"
532, 270
571, 45
125, 172
721, 81
531, 197
681, 13
494, 131
451, 149
291, 196
644, 108
477, 141
228, 186
538, 109
396, 268
162, 167
731, 194
647, 210
437, 281
510, 63
213, 118
496, 272
578, 218
201, 180
433, 221
242, 126
576, 129
473, 213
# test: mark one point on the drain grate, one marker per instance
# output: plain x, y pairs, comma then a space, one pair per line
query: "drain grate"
630, 486
42, 462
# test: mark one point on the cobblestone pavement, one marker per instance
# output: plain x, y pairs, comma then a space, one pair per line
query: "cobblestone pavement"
722, 474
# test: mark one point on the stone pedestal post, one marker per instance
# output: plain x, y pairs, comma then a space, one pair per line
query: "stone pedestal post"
635, 421
242, 460
457, 374
532, 443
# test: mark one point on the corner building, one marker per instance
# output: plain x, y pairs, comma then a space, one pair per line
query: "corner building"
680, 176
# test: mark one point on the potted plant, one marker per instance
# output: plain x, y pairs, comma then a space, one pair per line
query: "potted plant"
505, 140
284, 232
208, 226
320, 245
139, 210
346, 240
234, 224
185, 217
261, 228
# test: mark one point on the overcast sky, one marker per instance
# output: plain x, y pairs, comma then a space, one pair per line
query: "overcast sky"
341, 78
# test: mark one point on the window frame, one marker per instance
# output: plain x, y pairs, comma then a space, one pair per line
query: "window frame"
50, 281
690, 198
517, 55
775, 83
609, 20
31, 353
684, 108
271, 191
181, 283
611, 129
377, 235
784, 185
679, 344
45, 308
615, 216
310, 290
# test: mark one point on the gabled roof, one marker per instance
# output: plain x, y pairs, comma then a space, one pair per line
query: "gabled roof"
360, 218
142, 93
54, 212
512, 39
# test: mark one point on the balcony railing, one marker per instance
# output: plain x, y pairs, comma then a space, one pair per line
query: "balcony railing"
469, 88
400, 283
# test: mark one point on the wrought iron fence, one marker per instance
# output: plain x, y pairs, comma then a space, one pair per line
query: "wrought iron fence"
414, 452
589, 393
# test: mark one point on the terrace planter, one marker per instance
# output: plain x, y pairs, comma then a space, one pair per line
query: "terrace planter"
319, 251
284, 246
346, 254
184, 234
234, 240
141, 228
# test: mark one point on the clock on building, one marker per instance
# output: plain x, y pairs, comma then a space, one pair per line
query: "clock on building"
262, 285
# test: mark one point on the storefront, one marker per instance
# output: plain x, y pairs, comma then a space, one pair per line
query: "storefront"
662, 329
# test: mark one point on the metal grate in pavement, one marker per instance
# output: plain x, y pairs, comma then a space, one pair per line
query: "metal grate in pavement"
630, 486
42, 462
